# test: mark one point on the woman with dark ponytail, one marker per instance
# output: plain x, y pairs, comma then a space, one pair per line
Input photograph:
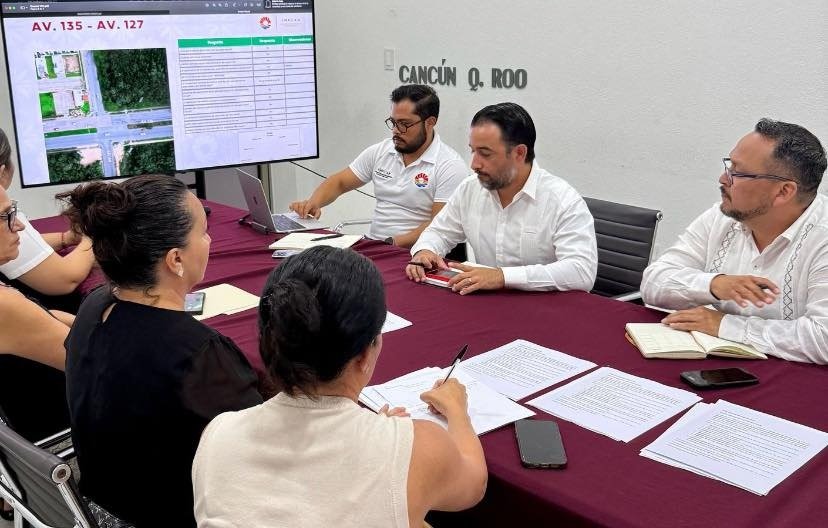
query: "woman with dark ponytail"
143, 377
311, 456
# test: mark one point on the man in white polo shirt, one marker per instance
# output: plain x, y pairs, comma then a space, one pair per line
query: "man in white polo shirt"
414, 172
531, 228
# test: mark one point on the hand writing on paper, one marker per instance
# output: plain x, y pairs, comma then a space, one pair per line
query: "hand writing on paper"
743, 289
476, 278
422, 261
396, 411
306, 208
448, 399
699, 319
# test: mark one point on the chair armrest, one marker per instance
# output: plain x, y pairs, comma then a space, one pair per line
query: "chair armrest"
55, 439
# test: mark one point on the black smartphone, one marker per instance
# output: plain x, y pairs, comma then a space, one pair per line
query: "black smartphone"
715, 378
540, 444
194, 303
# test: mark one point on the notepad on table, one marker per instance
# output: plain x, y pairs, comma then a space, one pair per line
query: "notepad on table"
303, 241
226, 299
656, 340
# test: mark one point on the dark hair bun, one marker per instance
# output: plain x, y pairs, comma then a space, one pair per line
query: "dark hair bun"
294, 306
102, 208
132, 224
319, 310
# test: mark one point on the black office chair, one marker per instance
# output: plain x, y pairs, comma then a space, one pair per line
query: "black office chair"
40, 487
625, 236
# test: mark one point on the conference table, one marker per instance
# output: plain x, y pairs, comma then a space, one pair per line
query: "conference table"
606, 482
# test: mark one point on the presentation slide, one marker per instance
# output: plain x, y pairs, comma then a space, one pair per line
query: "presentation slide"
111, 89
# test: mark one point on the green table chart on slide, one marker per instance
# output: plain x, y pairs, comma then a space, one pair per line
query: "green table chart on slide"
240, 83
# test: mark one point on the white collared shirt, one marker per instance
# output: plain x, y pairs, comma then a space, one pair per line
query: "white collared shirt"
405, 195
795, 325
543, 240
33, 250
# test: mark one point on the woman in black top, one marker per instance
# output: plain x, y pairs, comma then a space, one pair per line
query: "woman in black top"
143, 377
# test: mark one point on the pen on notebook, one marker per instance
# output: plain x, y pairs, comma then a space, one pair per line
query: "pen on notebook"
456, 361
326, 237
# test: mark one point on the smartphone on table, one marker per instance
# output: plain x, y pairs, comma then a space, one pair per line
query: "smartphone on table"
717, 378
540, 444
194, 303
440, 277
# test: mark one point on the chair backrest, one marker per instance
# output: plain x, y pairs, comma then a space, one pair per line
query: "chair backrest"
39, 485
625, 236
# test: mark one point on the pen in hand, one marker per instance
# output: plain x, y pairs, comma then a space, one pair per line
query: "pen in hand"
456, 361
326, 237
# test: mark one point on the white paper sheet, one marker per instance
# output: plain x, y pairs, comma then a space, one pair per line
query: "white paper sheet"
746, 448
521, 368
691, 414
488, 410
226, 299
614, 403
394, 322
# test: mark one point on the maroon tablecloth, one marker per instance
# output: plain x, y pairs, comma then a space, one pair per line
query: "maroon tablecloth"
606, 482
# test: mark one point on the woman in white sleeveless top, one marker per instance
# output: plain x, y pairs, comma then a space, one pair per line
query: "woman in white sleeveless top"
311, 456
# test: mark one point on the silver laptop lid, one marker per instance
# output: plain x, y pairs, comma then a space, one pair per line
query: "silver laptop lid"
260, 213
254, 196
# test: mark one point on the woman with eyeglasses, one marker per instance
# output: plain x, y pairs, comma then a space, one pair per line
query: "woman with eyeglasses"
311, 456
26, 329
39, 267
143, 377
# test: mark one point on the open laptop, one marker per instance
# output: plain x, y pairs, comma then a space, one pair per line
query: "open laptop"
260, 212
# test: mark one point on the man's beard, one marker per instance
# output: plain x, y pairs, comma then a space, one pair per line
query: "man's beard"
414, 144
741, 216
494, 183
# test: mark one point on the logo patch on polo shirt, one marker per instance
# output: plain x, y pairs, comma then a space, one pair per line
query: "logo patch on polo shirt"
421, 180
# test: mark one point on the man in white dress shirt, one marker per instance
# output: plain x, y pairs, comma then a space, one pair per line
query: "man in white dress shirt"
531, 228
761, 255
413, 172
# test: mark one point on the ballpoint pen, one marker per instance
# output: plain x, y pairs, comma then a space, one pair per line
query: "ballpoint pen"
456, 361
326, 237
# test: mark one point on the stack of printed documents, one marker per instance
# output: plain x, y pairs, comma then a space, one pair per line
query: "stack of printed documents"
488, 409
737, 445
614, 403
521, 368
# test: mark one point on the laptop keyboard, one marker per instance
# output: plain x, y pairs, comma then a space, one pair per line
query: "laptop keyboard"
284, 223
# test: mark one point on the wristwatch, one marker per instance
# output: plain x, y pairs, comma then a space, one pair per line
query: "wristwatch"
389, 241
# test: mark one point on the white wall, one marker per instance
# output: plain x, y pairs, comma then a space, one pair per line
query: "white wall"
633, 101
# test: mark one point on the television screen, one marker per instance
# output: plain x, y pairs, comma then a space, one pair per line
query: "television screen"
112, 89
